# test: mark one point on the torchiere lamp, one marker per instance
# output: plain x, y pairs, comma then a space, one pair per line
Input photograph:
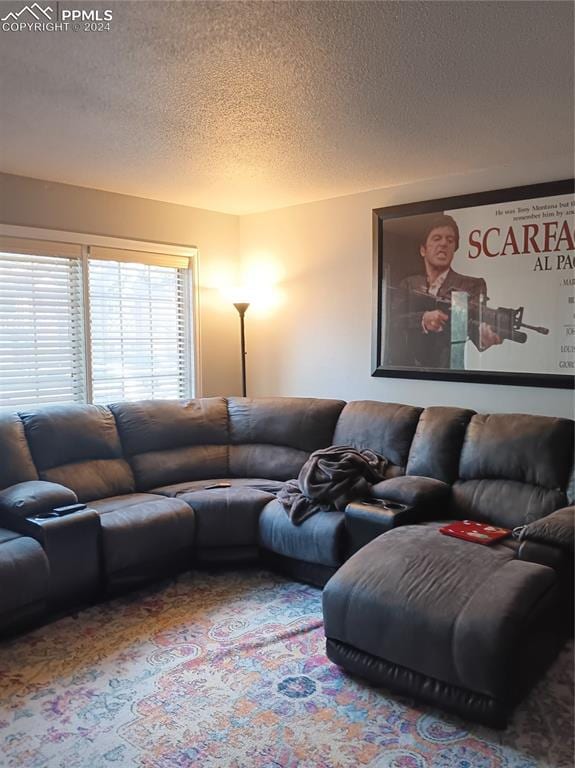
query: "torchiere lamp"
242, 306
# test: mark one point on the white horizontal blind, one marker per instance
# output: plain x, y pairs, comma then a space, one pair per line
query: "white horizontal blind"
139, 342
41, 326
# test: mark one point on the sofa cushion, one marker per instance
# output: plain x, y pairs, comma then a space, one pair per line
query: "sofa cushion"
140, 529
273, 437
277, 462
24, 575
437, 443
514, 468
386, 428
302, 423
503, 502
170, 441
319, 539
271, 486
179, 464
226, 517
528, 449
78, 446
16, 465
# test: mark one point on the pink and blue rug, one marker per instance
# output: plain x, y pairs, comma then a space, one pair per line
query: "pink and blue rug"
228, 670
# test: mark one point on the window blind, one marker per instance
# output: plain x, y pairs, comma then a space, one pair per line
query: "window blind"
141, 257
139, 345
41, 324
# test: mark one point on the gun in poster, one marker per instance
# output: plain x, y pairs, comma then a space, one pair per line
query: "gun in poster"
438, 327
505, 321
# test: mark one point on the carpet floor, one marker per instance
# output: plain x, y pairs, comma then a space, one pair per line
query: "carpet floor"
228, 670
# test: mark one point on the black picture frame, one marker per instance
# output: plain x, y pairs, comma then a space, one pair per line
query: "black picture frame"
396, 252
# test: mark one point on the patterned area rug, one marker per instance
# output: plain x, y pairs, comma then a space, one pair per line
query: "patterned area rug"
229, 670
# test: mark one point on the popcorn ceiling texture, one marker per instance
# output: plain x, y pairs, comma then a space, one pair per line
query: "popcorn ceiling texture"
245, 106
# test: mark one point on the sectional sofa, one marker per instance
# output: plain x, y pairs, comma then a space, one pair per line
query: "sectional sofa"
168, 485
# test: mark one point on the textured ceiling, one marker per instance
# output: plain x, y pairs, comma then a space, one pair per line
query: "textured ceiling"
244, 106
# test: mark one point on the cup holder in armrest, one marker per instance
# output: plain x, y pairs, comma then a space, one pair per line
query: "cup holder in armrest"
44, 515
69, 509
394, 506
58, 512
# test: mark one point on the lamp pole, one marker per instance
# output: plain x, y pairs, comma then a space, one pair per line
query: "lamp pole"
242, 306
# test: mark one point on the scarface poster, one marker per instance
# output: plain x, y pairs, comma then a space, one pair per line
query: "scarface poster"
478, 287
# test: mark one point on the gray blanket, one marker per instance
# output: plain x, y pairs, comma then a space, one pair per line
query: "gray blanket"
331, 478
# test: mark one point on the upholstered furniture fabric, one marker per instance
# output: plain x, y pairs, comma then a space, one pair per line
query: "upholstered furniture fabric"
140, 530
556, 530
319, 539
422, 492
273, 437
305, 424
24, 576
451, 611
437, 442
513, 468
438, 618
226, 517
33, 498
503, 502
16, 465
536, 450
271, 486
79, 447
171, 441
386, 428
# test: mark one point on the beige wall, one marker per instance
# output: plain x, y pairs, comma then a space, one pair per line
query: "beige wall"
316, 341
34, 203
314, 336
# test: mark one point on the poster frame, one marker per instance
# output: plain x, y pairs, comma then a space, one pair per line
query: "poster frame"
493, 197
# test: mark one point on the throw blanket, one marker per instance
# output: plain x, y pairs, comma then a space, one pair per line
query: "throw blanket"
331, 477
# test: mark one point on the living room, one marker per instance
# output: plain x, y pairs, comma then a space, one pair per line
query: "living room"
269, 147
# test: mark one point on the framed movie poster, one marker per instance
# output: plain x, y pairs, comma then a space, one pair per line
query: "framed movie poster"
478, 287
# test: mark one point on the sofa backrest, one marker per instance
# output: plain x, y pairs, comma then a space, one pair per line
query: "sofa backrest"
513, 468
386, 428
79, 447
436, 446
273, 437
16, 465
508, 469
172, 441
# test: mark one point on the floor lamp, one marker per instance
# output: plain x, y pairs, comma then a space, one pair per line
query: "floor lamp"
242, 306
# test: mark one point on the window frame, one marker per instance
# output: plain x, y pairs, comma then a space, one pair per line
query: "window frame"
86, 242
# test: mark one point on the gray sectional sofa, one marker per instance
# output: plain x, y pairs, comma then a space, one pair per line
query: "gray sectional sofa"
169, 485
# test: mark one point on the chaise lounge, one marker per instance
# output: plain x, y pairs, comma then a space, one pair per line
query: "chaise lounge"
144, 489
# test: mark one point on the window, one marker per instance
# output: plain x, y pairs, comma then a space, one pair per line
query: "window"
81, 323
137, 322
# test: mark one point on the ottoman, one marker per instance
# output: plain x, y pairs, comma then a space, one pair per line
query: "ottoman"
463, 626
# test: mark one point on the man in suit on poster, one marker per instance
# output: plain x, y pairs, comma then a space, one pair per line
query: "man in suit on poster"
421, 319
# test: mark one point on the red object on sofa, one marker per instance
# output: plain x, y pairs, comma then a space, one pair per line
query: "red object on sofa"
480, 533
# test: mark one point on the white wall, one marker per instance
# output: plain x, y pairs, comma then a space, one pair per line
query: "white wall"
35, 203
316, 340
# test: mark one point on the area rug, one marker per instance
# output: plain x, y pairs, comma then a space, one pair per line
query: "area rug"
228, 670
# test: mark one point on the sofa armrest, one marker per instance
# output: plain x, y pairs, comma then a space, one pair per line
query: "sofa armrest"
543, 554
366, 520
32, 499
555, 530
413, 491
